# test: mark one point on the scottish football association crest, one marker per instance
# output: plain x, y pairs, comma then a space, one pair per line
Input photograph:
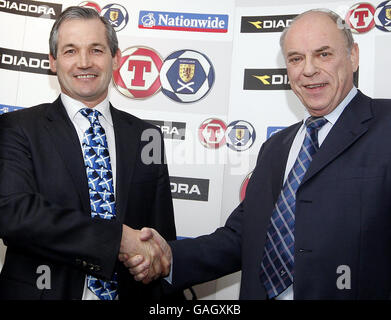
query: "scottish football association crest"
186, 76
116, 15
240, 135
383, 16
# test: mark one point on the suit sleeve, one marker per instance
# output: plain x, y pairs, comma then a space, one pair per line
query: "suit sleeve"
31, 223
210, 256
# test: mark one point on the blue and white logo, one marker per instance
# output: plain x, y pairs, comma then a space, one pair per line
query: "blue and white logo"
273, 130
5, 108
186, 76
116, 15
240, 135
382, 16
180, 21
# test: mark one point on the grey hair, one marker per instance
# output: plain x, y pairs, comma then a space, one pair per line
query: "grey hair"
82, 13
341, 25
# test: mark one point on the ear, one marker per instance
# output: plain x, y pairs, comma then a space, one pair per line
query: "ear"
117, 59
53, 63
354, 57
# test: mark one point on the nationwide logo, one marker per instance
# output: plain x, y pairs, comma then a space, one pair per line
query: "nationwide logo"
266, 79
170, 129
138, 74
189, 188
383, 16
211, 133
186, 76
240, 135
243, 187
24, 61
179, 21
256, 24
273, 130
39, 9
360, 17
6, 108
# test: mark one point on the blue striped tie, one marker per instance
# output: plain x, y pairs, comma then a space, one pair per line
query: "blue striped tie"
278, 257
101, 189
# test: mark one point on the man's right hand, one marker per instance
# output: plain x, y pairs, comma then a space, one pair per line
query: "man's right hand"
145, 253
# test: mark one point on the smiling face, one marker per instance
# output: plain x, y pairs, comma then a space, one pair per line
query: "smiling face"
84, 64
320, 67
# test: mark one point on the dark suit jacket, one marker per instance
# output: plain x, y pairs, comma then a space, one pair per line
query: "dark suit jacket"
45, 210
343, 215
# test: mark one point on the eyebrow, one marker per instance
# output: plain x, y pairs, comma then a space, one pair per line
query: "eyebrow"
321, 49
72, 45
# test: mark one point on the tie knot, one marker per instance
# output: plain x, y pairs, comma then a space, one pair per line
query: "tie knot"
91, 114
315, 122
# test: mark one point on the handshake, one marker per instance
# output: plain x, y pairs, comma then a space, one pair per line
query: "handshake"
145, 253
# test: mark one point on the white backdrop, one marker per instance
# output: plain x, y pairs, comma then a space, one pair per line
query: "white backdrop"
206, 181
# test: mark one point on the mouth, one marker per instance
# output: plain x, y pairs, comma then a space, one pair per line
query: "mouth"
315, 85
85, 76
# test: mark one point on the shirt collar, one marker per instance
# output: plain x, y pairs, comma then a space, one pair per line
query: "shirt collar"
333, 116
73, 106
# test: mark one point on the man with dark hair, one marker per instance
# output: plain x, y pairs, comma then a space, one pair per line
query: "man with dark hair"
316, 219
73, 184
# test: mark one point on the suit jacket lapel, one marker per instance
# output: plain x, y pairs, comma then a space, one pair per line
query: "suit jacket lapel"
351, 125
280, 160
127, 140
65, 139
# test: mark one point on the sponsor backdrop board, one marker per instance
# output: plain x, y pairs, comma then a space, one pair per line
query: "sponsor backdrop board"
209, 74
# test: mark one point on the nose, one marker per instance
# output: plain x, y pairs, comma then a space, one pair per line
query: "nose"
84, 60
310, 67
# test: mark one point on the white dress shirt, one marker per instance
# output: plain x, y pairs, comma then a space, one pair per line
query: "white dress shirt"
331, 118
81, 124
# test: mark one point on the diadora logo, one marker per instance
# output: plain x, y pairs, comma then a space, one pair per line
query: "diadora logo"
255, 24
170, 129
5, 108
30, 8
24, 61
189, 188
183, 21
266, 79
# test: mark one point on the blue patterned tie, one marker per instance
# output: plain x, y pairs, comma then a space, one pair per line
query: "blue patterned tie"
100, 185
278, 258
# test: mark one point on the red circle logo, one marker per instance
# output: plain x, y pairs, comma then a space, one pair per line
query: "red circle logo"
138, 74
243, 187
90, 4
212, 133
360, 17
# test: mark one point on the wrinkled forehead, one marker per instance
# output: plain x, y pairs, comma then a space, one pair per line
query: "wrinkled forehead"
313, 30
